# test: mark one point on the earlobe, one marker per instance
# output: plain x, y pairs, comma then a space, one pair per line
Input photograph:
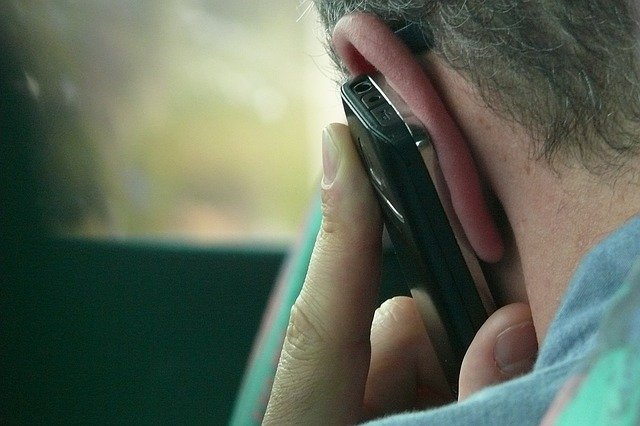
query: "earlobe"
367, 45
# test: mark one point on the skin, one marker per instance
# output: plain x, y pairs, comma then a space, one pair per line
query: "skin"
344, 361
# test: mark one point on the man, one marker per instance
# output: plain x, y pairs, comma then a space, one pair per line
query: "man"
533, 109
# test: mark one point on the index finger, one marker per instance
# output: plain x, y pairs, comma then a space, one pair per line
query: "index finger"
325, 357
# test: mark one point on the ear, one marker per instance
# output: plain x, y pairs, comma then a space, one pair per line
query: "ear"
367, 45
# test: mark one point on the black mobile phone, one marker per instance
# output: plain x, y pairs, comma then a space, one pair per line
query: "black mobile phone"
442, 273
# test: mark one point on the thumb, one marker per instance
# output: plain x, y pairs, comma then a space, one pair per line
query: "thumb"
505, 347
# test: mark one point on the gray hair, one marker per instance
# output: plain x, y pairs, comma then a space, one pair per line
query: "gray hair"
567, 71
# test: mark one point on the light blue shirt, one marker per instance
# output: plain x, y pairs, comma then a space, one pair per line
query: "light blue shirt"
570, 340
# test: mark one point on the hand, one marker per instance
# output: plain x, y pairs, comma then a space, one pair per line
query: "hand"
340, 363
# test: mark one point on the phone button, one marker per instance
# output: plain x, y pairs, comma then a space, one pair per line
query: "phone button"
385, 115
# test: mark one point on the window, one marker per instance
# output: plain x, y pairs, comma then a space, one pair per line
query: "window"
179, 119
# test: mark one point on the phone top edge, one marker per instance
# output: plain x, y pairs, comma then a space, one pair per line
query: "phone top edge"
419, 134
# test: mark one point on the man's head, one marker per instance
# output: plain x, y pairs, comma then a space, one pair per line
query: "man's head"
566, 71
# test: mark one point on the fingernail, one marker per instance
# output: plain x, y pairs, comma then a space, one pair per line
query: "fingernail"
516, 349
330, 159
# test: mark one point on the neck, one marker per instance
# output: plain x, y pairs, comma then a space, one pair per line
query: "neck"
553, 215
556, 217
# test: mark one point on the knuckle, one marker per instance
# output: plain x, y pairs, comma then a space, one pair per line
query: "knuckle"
304, 338
329, 219
394, 312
